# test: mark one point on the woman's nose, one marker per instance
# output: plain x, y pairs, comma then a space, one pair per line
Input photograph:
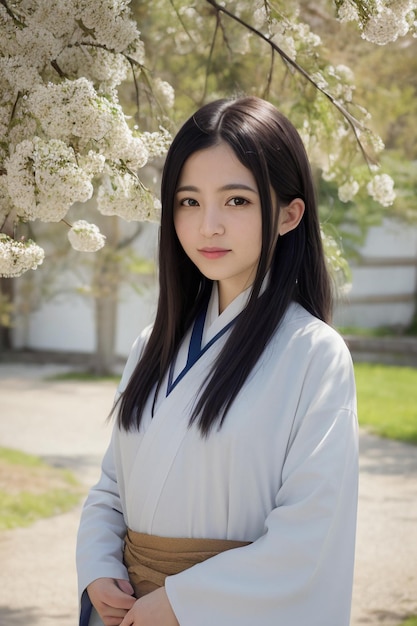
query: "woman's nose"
211, 222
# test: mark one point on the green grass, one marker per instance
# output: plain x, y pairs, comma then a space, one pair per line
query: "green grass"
411, 621
84, 376
31, 489
387, 400
25, 508
380, 331
15, 457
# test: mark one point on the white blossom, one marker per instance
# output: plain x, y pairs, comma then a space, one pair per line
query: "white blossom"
287, 43
60, 116
86, 237
124, 195
319, 79
119, 144
6, 204
337, 263
385, 27
17, 257
102, 67
24, 127
44, 180
348, 190
347, 12
165, 92
91, 163
156, 143
381, 189
309, 39
72, 108
385, 21
5, 115
109, 23
59, 20
37, 37
136, 51
19, 74
20, 178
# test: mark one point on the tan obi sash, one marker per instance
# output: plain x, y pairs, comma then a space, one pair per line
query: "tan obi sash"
150, 559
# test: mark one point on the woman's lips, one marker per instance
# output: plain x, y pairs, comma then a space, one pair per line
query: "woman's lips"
213, 253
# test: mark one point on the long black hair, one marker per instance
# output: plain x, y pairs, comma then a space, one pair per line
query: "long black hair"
268, 145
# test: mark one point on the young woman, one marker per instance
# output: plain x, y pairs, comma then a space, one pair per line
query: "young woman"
228, 492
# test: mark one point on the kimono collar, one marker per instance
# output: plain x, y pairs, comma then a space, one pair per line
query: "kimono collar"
196, 345
215, 321
208, 327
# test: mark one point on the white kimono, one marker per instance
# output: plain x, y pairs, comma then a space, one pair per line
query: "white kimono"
281, 472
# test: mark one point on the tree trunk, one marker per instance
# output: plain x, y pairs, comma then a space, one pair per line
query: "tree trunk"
106, 283
6, 304
105, 332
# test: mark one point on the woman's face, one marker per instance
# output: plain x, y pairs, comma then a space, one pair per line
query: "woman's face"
218, 220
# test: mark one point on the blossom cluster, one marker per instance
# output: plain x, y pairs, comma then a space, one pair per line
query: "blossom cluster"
44, 179
63, 126
290, 34
381, 188
336, 263
17, 257
86, 237
126, 196
330, 142
383, 21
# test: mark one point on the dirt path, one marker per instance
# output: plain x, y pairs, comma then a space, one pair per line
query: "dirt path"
65, 424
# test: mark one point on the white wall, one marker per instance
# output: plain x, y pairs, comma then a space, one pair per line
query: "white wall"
67, 323
393, 243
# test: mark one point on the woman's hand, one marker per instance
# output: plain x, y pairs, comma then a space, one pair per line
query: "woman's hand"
154, 609
112, 599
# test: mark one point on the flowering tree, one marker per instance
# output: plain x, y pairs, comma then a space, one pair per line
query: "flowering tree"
63, 130
380, 21
65, 133
274, 49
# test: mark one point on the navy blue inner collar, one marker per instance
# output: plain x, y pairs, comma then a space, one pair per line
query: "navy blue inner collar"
195, 351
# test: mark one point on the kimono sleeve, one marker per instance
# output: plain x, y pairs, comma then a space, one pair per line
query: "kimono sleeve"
102, 528
300, 570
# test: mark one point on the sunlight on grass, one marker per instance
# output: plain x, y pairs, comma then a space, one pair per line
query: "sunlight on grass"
15, 457
84, 376
387, 400
25, 508
411, 621
31, 489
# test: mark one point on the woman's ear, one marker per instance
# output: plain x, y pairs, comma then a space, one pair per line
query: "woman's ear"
290, 216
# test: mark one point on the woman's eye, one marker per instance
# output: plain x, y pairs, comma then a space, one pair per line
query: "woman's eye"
188, 202
237, 201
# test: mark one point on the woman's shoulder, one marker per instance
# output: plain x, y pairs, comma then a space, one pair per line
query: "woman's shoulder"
311, 334
141, 341
135, 354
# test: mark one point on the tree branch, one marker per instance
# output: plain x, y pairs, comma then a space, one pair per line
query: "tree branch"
11, 14
181, 21
210, 56
136, 84
354, 123
56, 67
92, 44
9, 225
270, 74
18, 96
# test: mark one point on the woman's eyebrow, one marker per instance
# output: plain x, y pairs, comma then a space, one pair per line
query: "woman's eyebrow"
228, 187
186, 188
